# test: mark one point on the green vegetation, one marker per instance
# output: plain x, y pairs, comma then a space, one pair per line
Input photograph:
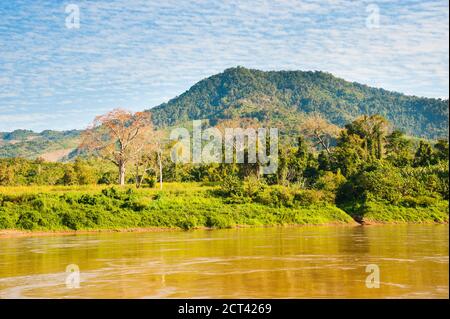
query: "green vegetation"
20, 171
425, 212
340, 157
184, 206
364, 171
31, 145
280, 98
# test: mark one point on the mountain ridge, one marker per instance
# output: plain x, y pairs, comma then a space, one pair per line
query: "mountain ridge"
280, 98
245, 92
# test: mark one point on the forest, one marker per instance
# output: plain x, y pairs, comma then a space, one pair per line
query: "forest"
280, 98
365, 172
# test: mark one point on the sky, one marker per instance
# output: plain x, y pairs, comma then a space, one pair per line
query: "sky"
58, 70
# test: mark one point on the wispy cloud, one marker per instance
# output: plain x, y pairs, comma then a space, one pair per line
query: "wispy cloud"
140, 53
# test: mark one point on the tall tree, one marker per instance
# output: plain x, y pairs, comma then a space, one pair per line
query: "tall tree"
398, 149
316, 127
159, 149
349, 154
424, 155
372, 129
118, 136
442, 150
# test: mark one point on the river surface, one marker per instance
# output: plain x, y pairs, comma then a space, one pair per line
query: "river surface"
289, 262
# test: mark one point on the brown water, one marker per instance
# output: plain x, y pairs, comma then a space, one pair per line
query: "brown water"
297, 262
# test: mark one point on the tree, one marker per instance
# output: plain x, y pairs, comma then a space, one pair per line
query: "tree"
442, 150
424, 155
84, 173
7, 174
158, 147
142, 166
316, 127
372, 129
118, 136
69, 177
349, 154
398, 149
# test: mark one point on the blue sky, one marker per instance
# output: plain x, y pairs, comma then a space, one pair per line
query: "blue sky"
137, 54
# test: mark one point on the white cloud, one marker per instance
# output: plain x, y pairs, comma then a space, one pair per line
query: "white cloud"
141, 53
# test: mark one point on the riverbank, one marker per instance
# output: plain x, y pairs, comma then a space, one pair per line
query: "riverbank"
371, 213
179, 206
14, 233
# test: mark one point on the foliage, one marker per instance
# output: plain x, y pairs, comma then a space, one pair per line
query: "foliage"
279, 96
182, 206
366, 166
232, 186
118, 136
31, 145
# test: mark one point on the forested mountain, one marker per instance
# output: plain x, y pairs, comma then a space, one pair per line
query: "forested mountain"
279, 98
284, 96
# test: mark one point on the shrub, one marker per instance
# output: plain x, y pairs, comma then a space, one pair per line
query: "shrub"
232, 186
264, 197
30, 220
188, 222
38, 203
309, 197
95, 216
283, 196
219, 221
149, 181
379, 181
158, 196
419, 201
87, 199
135, 204
330, 181
253, 186
276, 196
76, 220
111, 193
106, 179
6, 220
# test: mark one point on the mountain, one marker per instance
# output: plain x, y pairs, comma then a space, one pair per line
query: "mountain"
50, 145
285, 96
278, 98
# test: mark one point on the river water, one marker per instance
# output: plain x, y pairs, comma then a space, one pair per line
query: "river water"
278, 262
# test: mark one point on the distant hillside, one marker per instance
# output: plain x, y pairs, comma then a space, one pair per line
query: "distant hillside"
284, 96
50, 145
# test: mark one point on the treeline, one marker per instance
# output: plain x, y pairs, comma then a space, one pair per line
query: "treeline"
368, 170
22, 172
364, 162
279, 95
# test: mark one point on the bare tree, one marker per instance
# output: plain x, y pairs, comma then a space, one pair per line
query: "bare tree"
142, 165
150, 157
316, 127
118, 136
158, 147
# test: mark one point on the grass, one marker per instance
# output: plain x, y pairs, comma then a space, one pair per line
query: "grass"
436, 211
185, 206
385, 213
96, 189
178, 206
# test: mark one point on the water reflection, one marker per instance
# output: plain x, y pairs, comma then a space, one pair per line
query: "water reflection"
297, 262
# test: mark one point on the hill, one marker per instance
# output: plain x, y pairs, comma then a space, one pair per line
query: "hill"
50, 145
285, 96
278, 98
